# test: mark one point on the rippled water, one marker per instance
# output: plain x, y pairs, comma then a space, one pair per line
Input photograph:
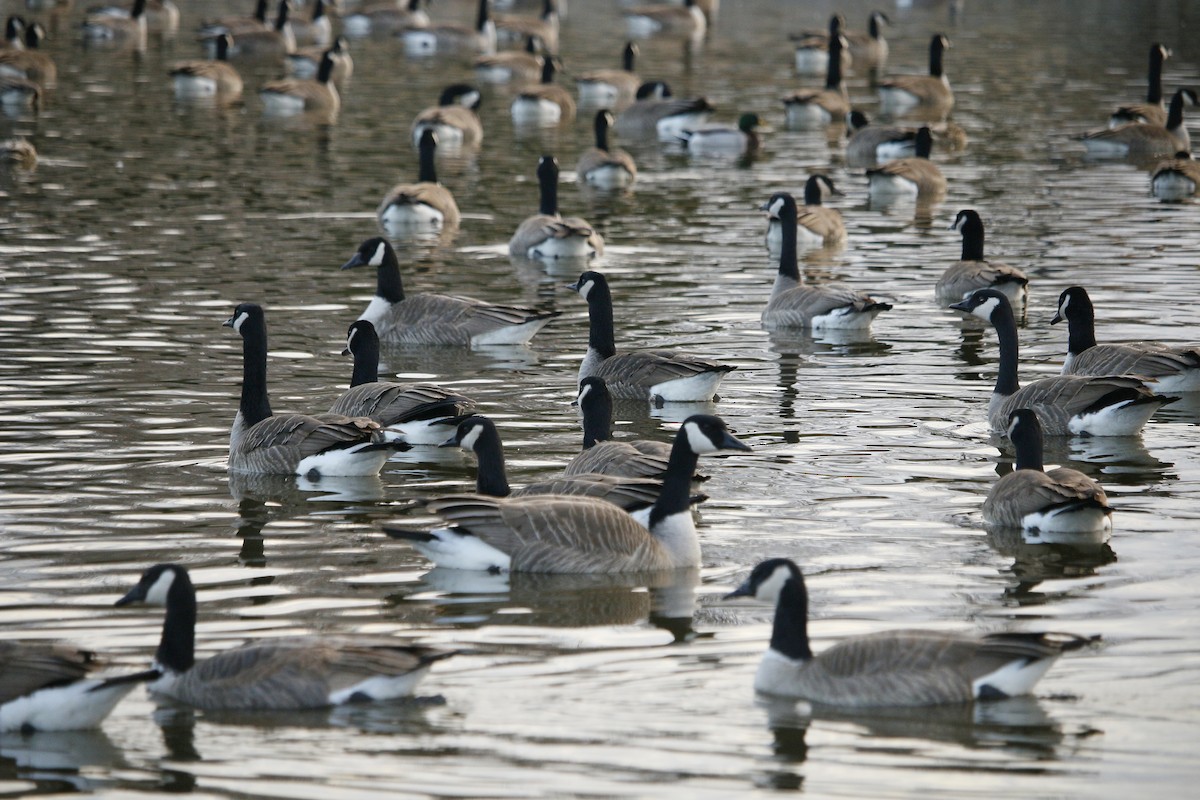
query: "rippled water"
147, 221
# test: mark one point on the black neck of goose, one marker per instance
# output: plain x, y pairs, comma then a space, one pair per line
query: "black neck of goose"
789, 635
325, 68
597, 419
139, 8
387, 281
260, 11
1175, 112
677, 482
972, 240
833, 71
366, 360
628, 57
1028, 446
177, 647
873, 27
426, 160
924, 143
481, 18
602, 132
788, 264
1155, 95
1081, 327
812, 192
548, 70
548, 196
935, 58
1006, 331
491, 478
255, 405
223, 48
281, 20
414, 6
601, 336
318, 10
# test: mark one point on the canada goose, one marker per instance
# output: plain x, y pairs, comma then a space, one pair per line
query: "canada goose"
1108, 405
478, 435
162, 16
47, 687
576, 534
514, 27
1141, 139
235, 25
129, 31
293, 444
275, 41
14, 33
655, 375
1062, 500
973, 271
433, 39
1176, 178
637, 458
422, 205
794, 305
909, 177
808, 109
715, 139
893, 668
1162, 367
870, 143
687, 20
17, 93
607, 87
305, 62
298, 95
817, 225
429, 318
454, 118
386, 17
30, 63
549, 235
656, 113
1151, 111
317, 30
545, 101
281, 674
511, 65
216, 78
812, 48
416, 413
604, 166
905, 92
18, 152
869, 49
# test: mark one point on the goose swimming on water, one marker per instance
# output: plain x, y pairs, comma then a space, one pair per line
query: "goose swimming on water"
973, 272
423, 205
601, 453
549, 235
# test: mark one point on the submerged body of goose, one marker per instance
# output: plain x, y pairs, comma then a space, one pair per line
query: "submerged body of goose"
604, 88
50, 687
298, 95
306, 61
293, 444
386, 17
816, 225
1176, 178
655, 375
909, 177
544, 102
424, 205
545, 27
1164, 368
657, 114
274, 41
316, 30
128, 31
511, 65
416, 413
203, 79
812, 48
281, 674
1062, 500
549, 235
633, 458
932, 93
605, 166
893, 668
1109, 405
30, 62
807, 110
1152, 111
576, 534
715, 139
454, 119
869, 48
973, 272
870, 143
795, 305
686, 20
234, 25
438, 319
1143, 139
432, 39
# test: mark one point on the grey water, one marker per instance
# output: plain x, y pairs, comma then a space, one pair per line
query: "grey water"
147, 220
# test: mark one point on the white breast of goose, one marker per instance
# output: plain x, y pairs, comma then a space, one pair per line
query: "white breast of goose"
528, 108
414, 215
777, 674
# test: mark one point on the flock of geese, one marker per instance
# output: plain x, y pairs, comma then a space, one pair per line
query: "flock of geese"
620, 505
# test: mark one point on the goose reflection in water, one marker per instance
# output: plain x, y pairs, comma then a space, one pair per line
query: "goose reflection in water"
1039, 557
59, 761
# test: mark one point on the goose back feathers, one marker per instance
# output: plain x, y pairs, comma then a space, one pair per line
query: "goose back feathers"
904, 93
973, 272
549, 235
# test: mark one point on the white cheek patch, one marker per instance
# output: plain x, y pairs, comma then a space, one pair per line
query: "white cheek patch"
350, 339
156, 595
984, 310
239, 320
583, 392
468, 441
1012, 426
587, 287
769, 589
469, 99
1062, 310
377, 259
775, 208
697, 440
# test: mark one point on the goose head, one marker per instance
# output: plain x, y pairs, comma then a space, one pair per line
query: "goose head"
653, 90
374, 252
817, 187
470, 431
1074, 304
781, 206
461, 94
157, 584
767, 580
359, 336
588, 282
246, 317
983, 303
705, 433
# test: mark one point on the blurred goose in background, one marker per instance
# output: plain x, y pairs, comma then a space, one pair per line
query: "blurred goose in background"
17, 93
795, 305
208, 79
1164, 368
48, 687
817, 225
385, 17
293, 444
870, 143
288, 673
424, 205
30, 62
298, 95
306, 61
416, 413
869, 48
655, 375
1108, 405
931, 92
892, 668
1062, 500
162, 16
514, 27
453, 119
316, 30
433, 39
817, 109
633, 458
438, 319
549, 235
576, 534
18, 152
812, 48
274, 41
908, 177
1152, 111
717, 139
235, 25
1142, 139
604, 166
608, 87
127, 31
546, 101
657, 114
14, 33
511, 65
686, 20
1176, 178
973, 271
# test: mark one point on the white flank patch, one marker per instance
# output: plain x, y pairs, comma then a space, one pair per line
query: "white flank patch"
1187, 380
1015, 678
510, 334
194, 86
889, 150
535, 109
640, 27
493, 74
1172, 186
346, 462
698, 388
281, 104
303, 67
1065, 520
566, 247
1106, 147
1122, 419
671, 129
453, 550
883, 185
448, 136
894, 101
845, 319
805, 116
597, 93
418, 432
610, 176
811, 61
63, 708
410, 215
380, 687
356, 25
420, 43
